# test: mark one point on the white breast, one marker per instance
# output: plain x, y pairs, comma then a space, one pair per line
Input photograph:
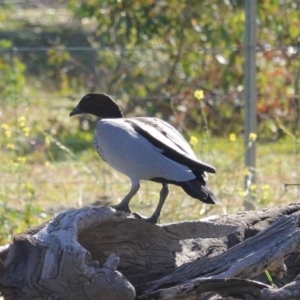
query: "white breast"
131, 154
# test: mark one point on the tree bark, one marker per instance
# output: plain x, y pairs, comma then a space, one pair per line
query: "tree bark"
100, 253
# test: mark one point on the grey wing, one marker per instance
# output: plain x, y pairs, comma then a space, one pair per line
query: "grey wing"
170, 133
165, 137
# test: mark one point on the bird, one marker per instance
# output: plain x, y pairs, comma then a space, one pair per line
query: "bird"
145, 148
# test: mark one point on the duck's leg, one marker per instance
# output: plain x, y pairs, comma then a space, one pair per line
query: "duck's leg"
162, 197
124, 204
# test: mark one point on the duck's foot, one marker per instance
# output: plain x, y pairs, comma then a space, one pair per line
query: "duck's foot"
153, 219
122, 207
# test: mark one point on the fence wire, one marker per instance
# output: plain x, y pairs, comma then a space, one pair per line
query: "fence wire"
48, 158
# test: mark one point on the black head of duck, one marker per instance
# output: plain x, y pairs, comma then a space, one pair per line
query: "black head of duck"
98, 104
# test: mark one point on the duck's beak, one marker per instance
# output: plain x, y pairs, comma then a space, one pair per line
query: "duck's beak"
76, 111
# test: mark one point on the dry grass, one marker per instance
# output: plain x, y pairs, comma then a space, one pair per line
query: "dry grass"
40, 176
74, 182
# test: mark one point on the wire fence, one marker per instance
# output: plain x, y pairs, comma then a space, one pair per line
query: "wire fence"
48, 158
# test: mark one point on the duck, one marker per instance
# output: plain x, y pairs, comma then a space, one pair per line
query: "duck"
145, 148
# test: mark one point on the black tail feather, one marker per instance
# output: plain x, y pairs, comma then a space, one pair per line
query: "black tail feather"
199, 191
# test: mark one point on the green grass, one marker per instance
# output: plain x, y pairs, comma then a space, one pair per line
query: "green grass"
42, 176
47, 165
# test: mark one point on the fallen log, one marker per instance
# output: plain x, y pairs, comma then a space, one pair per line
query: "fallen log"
101, 253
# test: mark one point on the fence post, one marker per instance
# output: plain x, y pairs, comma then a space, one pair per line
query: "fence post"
250, 99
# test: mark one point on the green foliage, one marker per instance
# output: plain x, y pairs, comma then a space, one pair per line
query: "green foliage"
154, 54
16, 215
190, 46
12, 75
151, 56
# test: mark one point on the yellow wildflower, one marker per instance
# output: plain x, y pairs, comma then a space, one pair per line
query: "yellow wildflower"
193, 140
232, 137
199, 94
246, 171
47, 141
4, 126
47, 164
25, 186
266, 195
242, 193
252, 136
265, 187
253, 187
25, 131
21, 121
11, 146
7, 133
21, 159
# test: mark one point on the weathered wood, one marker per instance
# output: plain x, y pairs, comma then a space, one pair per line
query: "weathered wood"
290, 291
244, 260
205, 288
52, 264
101, 253
147, 251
